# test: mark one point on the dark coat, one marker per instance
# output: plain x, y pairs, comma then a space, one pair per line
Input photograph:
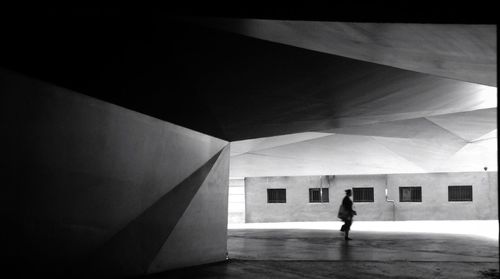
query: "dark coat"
347, 204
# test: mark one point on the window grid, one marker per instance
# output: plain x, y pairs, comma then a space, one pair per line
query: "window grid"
363, 194
410, 194
276, 195
319, 195
460, 193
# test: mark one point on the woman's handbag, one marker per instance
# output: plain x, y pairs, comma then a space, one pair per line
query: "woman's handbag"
343, 214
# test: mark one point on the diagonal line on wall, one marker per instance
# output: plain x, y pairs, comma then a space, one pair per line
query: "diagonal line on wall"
132, 249
446, 130
261, 144
256, 150
398, 155
169, 252
487, 136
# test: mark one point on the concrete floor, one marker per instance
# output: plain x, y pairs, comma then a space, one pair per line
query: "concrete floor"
294, 253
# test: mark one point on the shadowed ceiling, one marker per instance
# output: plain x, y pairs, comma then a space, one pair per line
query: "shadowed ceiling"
460, 51
293, 97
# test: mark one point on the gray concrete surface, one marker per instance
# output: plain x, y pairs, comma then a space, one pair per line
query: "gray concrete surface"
236, 201
326, 269
366, 246
413, 47
434, 204
324, 254
83, 173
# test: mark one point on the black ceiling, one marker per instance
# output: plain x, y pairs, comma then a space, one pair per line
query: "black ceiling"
218, 83
126, 61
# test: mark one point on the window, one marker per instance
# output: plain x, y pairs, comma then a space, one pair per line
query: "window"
362, 194
460, 193
318, 195
410, 194
276, 195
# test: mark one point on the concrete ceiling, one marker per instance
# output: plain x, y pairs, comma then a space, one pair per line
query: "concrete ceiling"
293, 97
431, 123
404, 146
462, 52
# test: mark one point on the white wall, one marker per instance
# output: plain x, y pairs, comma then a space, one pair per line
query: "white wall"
236, 201
434, 205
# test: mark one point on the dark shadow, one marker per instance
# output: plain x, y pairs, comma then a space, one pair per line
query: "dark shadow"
345, 251
212, 270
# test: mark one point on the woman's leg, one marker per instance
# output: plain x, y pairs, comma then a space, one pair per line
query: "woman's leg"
348, 223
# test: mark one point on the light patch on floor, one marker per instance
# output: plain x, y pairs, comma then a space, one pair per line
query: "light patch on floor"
481, 228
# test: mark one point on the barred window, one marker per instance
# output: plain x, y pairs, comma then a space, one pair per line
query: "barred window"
318, 195
364, 194
276, 195
410, 194
460, 193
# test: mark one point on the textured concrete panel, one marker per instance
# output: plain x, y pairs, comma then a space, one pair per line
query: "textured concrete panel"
418, 128
491, 135
131, 251
443, 143
429, 154
247, 88
137, 158
468, 125
252, 145
464, 52
473, 156
339, 154
84, 168
200, 235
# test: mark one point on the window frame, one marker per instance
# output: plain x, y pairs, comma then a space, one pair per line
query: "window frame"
401, 188
269, 190
322, 195
461, 186
363, 188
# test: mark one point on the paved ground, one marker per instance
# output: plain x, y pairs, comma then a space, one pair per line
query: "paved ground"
321, 269
291, 253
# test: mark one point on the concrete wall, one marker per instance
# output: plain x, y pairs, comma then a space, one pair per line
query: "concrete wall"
99, 189
236, 201
434, 205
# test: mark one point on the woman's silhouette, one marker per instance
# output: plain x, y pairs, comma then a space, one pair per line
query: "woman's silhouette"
346, 213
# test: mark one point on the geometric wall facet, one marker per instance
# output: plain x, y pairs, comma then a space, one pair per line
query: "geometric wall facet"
131, 250
200, 235
468, 125
90, 174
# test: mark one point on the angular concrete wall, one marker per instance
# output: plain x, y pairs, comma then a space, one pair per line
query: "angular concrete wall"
98, 189
434, 205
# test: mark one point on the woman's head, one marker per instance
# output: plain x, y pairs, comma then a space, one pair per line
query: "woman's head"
348, 192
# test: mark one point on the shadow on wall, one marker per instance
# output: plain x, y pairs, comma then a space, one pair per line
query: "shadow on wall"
94, 180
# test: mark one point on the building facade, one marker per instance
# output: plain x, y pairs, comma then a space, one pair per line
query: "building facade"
423, 196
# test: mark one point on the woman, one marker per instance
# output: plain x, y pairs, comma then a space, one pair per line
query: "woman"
346, 213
